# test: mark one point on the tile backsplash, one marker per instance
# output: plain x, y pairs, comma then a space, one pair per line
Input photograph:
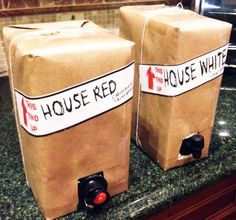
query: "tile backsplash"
3, 63
13, 4
108, 18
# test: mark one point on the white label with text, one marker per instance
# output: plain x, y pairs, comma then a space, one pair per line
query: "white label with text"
51, 113
173, 80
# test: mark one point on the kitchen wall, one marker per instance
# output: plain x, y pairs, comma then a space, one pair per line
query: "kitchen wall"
103, 12
106, 18
41, 5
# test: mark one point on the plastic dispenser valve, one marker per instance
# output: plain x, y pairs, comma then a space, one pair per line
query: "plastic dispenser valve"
93, 192
193, 145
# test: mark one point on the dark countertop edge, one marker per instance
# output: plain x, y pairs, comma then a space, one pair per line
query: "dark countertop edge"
220, 180
173, 199
71, 8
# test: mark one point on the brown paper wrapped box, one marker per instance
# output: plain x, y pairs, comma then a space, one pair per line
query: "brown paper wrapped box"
72, 87
179, 85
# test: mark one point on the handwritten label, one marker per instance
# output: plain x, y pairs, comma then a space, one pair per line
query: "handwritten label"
54, 112
176, 79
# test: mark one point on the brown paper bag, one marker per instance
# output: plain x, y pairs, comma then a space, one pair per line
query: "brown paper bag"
179, 87
72, 87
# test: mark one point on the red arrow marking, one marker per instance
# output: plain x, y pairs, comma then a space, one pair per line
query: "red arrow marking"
151, 76
24, 111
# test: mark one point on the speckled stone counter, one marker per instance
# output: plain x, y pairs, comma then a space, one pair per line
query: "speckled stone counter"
151, 189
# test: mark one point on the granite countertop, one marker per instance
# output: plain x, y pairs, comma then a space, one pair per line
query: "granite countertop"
151, 189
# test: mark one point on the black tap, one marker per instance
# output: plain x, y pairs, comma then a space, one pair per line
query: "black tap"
93, 192
193, 145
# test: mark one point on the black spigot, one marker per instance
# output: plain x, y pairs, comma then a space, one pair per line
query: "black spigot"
93, 192
193, 145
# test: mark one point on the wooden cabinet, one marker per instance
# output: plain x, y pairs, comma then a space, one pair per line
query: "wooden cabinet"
217, 201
